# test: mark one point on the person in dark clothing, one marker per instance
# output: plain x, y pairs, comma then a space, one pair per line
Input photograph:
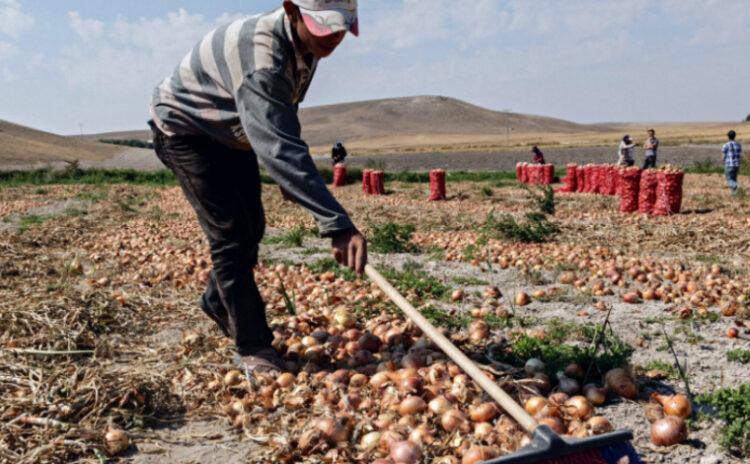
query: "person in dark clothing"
651, 148
338, 153
538, 155
231, 104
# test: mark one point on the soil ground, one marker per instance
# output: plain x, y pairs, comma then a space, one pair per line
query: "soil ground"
118, 269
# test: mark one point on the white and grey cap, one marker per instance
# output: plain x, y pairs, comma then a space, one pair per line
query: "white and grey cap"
325, 17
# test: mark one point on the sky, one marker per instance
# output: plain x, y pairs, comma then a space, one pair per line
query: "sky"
95, 63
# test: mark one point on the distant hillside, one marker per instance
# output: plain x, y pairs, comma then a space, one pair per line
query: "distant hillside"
409, 116
421, 115
23, 145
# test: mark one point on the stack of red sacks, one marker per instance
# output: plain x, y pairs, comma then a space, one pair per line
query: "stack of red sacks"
535, 174
373, 182
437, 185
339, 175
669, 192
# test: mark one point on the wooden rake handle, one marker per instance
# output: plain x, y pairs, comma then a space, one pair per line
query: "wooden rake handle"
468, 366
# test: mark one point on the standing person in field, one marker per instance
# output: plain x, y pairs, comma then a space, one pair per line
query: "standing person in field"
231, 103
626, 151
538, 155
651, 147
338, 153
732, 152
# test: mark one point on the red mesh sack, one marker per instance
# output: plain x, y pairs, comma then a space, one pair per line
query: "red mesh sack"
519, 172
366, 176
595, 178
570, 178
533, 174
580, 179
618, 177
604, 179
647, 193
669, 192
610, 184
437, 185
377, 183
587, 178
548, 177
630, 182
524, 173
339, 175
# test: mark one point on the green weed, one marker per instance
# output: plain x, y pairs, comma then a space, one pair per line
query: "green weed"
26, 222
291, 238
536, 228
391, 238
739, 355
441, 318
424, 285
469, 281
733, 406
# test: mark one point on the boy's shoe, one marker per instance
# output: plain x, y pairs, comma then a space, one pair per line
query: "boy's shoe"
265, 361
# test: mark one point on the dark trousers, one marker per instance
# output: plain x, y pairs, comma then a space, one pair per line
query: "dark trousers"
223, 187
649, 162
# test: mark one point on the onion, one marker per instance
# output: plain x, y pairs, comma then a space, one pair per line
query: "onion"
483, 430
555, 423
533, 366
558, 398
595, 394
668, 431
452, 419
457, 295
478, 454
674, 405
484, 412
331, 430
285, 380
380, 380
439, 405
370, 441
411, 405
369, 342
579, 407
599, 425
535, 404
116, 441
653, 412
522, 299
620, 382
342, 317
358, 380
421, 434
574, 371
567, 385
732, 332
232, 378
411, 384
405, 452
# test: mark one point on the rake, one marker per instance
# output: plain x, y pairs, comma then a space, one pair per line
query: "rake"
546, 446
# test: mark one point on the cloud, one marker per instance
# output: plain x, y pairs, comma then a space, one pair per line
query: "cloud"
13, 21
87, 29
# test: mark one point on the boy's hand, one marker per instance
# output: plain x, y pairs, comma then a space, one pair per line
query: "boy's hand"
350, 250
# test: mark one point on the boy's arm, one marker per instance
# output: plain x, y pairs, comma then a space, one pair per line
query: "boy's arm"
269, 117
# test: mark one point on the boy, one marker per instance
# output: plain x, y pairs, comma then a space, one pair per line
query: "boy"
233, 102
732, 152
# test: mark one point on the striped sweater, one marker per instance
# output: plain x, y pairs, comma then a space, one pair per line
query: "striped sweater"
241, 85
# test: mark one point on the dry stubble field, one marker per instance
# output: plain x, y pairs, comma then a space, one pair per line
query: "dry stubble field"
100, 329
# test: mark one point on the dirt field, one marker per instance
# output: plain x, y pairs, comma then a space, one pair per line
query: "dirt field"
99, 288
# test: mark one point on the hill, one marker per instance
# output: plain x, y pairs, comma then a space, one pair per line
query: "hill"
408, 117
20, 145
